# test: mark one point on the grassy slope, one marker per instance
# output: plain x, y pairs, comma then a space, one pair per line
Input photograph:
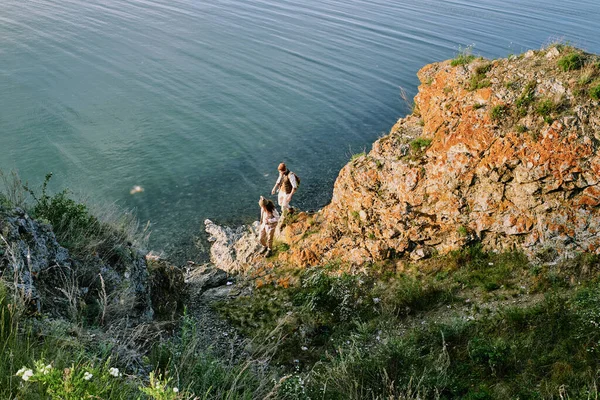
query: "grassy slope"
469, 325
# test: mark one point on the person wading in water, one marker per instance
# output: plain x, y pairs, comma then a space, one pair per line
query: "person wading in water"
268, 222
286, 184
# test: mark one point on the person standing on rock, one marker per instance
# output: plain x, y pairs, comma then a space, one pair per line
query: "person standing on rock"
286, 184
269, 217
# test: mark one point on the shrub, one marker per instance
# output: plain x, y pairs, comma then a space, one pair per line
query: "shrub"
571, 62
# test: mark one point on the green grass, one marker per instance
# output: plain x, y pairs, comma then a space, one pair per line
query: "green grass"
204, 373
338, 335
498, 112
521, 129
419, 143
26, 339
570, 62
479, 79
357, 156
595, 91
526, 98
464, 57
546, 107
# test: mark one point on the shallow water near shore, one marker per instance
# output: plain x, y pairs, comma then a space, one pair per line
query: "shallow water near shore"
198, 101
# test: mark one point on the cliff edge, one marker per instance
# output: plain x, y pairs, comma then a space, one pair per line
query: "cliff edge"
503, 152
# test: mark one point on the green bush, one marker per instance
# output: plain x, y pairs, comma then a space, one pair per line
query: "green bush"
571, 62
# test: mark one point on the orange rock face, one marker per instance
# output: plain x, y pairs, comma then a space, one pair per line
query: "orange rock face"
487, 165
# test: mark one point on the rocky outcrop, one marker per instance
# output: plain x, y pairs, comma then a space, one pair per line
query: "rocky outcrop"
45, 274
503, 152
232, 249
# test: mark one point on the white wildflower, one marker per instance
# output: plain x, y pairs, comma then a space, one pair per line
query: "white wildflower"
175, 390
46, 370
21, 371
114, 372
27, 374
304, 348
87, 376
376, 300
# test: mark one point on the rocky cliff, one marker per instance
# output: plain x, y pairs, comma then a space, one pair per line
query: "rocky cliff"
503, 152
45, 274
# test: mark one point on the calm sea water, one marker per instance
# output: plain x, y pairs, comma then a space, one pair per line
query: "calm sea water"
197, 101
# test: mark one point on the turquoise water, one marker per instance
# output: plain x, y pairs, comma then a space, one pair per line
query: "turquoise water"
198, 101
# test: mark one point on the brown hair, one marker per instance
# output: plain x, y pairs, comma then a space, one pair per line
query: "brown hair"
270, 206
266, 204
282, 167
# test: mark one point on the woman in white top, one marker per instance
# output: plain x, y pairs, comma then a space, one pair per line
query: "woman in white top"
269, 217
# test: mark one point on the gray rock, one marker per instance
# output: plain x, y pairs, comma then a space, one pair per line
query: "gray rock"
232, 249
213, 278
44, 271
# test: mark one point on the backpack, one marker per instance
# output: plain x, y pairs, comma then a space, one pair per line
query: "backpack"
297, 178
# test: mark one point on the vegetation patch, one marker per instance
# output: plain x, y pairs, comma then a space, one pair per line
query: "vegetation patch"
357, 156
595, 91
570, 62
526, 98
547, 108
498, 112
419, 144
464, 57
433, 329
521, 129
479, 79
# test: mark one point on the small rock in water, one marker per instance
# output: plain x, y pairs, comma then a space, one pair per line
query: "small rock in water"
136, 189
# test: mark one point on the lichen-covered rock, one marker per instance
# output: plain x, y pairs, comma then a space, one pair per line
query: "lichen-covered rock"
503, 152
